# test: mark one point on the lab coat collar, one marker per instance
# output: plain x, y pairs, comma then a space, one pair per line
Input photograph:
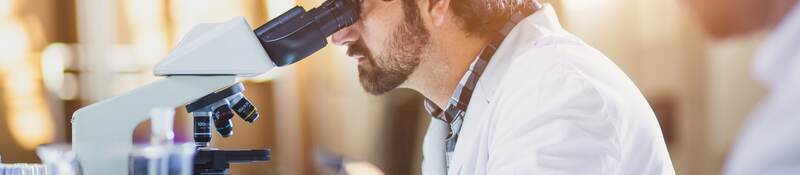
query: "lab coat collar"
545, 19
775, 58
531, 29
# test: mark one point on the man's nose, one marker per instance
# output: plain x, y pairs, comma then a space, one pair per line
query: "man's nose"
345, 37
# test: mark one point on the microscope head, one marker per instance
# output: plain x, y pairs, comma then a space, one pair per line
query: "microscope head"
218, 108
209, 49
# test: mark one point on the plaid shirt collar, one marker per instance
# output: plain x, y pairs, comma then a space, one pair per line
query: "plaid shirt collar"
457, 104
459, 101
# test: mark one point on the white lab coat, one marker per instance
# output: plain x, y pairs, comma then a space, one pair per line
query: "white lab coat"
550, 104
769, 143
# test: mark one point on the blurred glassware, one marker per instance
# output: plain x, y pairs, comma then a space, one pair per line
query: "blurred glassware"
161, 121
161, 156
23, 169
344, 166
161, 159
59, 159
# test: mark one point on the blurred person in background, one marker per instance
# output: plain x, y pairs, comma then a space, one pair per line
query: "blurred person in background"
769, 142
539, 99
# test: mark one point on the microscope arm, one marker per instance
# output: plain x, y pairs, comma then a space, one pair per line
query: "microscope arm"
103, 132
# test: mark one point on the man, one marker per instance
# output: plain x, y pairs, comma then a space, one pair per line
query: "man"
769, 142
543, 102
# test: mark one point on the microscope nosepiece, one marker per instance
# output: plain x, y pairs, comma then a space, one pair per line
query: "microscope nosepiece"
219, 108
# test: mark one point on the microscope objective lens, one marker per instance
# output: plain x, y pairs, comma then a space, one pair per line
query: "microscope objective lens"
222, 120
245, 110
202, 128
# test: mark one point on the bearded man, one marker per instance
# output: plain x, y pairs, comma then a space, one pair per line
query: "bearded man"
511, 91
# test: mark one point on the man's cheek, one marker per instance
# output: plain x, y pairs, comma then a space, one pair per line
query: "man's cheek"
375, 37
373, 48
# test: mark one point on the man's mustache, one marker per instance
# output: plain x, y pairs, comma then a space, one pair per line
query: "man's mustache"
359, 48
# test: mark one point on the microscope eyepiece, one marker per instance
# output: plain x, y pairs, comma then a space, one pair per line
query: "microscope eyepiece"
297, 33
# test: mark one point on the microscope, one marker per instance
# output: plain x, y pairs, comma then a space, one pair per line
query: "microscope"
202, 74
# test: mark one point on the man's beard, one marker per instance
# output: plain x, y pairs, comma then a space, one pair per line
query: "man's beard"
390, 69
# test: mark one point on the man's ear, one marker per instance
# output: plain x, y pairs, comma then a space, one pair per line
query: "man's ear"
438, 11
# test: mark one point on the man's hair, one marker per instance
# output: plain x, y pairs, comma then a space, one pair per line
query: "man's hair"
478, 17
